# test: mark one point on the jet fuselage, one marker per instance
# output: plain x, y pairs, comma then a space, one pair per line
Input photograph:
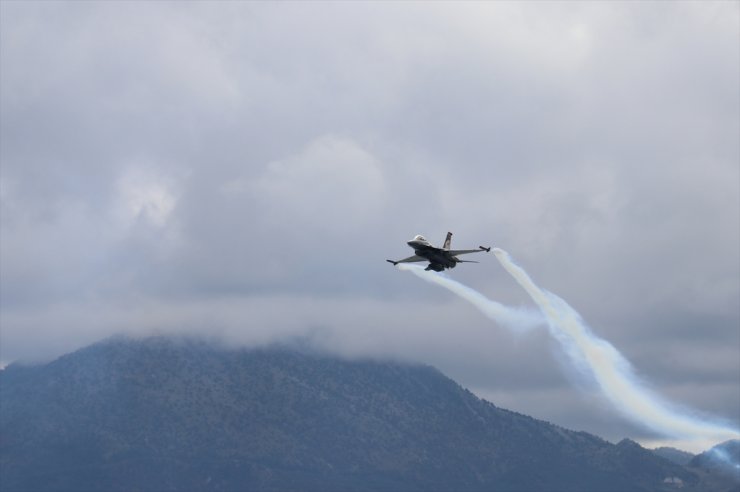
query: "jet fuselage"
439, 259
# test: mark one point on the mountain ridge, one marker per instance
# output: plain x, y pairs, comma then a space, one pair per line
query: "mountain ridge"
166, 414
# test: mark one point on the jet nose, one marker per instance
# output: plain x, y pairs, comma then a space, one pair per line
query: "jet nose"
411, 243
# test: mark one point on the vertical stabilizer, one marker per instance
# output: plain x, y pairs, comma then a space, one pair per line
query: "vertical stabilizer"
448, 241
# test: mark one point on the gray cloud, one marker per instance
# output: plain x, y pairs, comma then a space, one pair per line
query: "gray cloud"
199, 167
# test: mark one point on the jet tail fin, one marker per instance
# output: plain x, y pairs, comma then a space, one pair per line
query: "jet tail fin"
448, 241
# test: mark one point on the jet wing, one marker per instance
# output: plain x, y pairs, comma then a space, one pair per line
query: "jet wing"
410, 259
455, 252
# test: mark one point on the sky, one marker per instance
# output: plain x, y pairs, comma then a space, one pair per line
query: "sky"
241, 171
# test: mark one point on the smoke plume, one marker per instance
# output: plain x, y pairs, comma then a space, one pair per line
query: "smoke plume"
591, 356
515, 319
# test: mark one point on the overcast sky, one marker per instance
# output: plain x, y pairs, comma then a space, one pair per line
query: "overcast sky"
243, 170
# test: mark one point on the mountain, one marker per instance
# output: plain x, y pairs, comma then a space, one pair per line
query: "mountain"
675, 455
722, 460
164, 414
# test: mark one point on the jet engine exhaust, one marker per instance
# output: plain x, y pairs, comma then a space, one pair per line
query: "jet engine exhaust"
591, 356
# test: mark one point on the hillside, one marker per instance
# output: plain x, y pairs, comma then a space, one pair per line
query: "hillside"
721, 463
675, 455
160, 414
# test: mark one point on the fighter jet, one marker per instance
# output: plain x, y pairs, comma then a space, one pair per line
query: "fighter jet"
438, 258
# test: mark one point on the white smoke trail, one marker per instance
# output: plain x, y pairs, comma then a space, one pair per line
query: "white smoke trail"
611, 371
516, 319
723, 456
591, 355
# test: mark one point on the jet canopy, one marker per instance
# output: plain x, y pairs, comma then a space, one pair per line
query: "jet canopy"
419, 238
